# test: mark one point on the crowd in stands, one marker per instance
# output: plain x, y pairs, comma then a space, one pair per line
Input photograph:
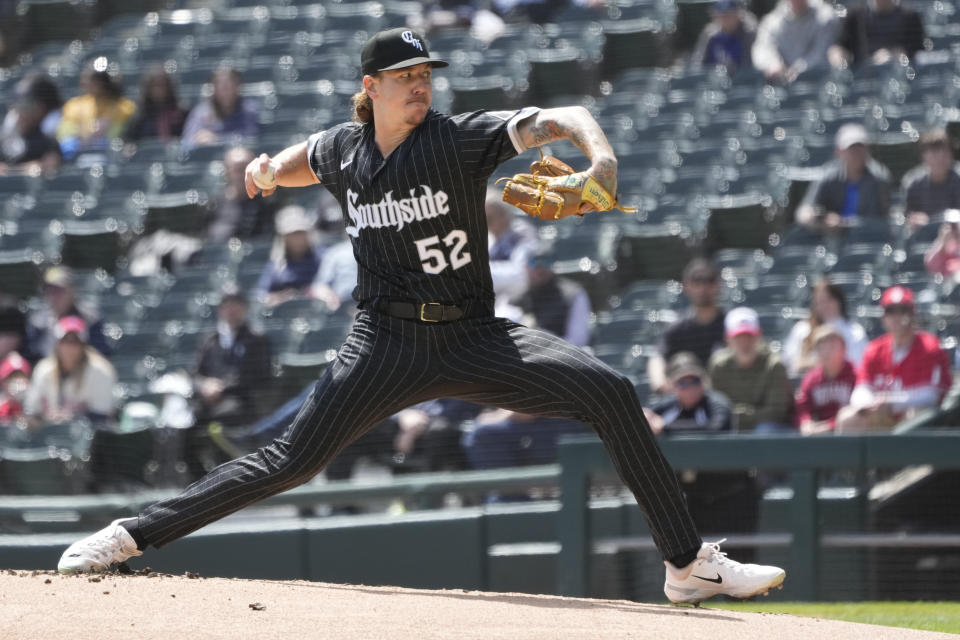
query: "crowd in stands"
714, 370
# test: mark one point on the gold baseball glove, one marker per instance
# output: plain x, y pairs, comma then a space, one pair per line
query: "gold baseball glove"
553, 190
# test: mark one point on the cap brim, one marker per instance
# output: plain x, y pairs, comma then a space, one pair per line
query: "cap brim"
849, 143
687, 372
410, 62
740, 332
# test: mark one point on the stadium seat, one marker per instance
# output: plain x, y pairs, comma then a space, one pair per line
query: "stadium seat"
92, 244
490, 92
36, 472
777, 290
19, 273
653, 252
631, 43
746, 222
182, 212
297, 370
870, 257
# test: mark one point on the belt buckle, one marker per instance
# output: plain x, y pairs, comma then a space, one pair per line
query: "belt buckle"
423, 311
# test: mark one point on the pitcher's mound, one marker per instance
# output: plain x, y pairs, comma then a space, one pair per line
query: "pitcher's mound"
47, 605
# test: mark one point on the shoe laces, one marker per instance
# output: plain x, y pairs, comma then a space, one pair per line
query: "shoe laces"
719, 556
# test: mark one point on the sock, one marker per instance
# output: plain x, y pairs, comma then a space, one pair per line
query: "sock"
133, 528
684, 559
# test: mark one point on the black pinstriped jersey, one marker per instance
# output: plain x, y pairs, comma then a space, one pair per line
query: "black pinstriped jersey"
416, 219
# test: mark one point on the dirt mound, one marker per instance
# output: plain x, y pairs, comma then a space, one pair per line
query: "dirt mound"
146, 605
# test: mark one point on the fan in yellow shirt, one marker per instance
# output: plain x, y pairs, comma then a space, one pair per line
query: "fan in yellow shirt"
91, 120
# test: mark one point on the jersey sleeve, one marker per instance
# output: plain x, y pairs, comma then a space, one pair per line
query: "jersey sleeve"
868, 366
323, 154
489, 138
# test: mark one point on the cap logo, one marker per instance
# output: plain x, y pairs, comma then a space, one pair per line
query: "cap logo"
407, 37
896, 295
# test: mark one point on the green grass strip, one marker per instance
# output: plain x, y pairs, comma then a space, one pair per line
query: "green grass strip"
927, 616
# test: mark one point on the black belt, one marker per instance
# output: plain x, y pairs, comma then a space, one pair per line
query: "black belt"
420, 311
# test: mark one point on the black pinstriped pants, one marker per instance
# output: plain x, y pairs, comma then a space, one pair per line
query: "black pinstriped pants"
388, 364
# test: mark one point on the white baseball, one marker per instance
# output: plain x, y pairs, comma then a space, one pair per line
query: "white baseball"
266, 179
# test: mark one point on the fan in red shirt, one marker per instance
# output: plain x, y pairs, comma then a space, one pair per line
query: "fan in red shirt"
14, 380
827, 386
902, 371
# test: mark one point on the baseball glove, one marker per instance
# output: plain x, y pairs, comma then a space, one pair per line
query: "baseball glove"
553, 190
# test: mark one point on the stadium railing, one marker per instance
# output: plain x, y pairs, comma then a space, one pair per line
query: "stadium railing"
584, 458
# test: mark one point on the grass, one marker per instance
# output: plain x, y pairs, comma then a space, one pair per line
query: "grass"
928, 616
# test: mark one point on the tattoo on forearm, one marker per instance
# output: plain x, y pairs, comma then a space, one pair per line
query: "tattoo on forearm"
583, 131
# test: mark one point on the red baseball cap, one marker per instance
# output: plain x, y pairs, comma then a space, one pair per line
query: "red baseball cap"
742, 320
13, 363
71, 324
897, 295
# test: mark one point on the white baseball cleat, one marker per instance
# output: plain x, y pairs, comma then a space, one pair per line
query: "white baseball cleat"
713, 573
97, 552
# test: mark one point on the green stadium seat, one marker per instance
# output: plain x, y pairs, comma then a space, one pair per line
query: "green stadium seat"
868, 257
653, 252
629, 44
59, 20
646, 296
490, 92
746, 222
182, 212
36, 472
622, 328
321, 340
300, 369
776, 290
19, 273
92, 244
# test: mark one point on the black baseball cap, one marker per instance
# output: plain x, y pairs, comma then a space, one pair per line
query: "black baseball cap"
395, 49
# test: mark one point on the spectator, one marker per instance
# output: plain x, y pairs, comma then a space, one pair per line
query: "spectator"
877, 31
828, 306
754, 379
294, 258
92, 119
337, 275
224, 116
691, 406
232, 381
852, 186
14, 383
943, 254
235, 214
40, 89
828, 385
557, 305
13, 328
934, 186
75, 381
902, 371
720, 502
24, 146
159, 114
60, 301
726, 40
794, 37
511, 243
700, 331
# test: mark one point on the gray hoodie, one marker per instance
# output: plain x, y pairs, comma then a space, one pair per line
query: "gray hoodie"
800, 41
